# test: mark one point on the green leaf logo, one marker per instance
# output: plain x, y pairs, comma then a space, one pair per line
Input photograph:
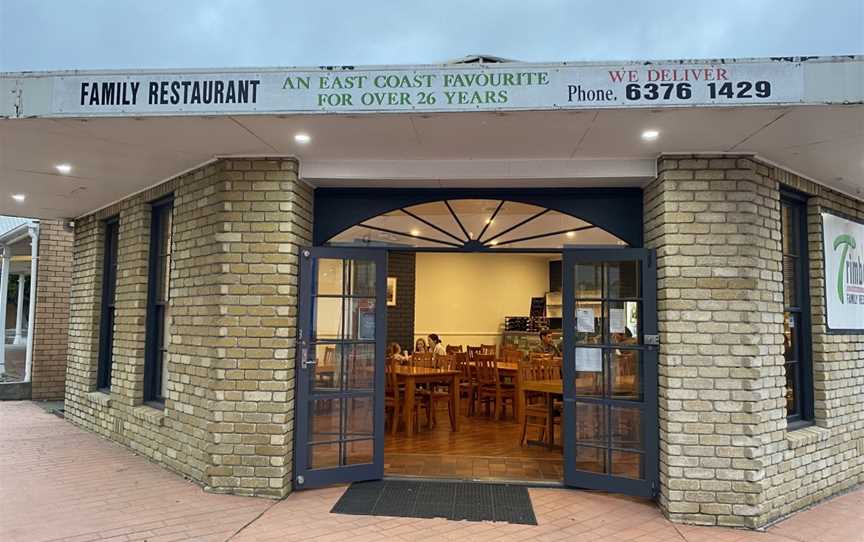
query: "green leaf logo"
844, 241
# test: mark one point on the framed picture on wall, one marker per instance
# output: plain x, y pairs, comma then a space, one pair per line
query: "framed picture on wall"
391, 291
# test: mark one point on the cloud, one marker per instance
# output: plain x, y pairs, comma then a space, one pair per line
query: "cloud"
92, 34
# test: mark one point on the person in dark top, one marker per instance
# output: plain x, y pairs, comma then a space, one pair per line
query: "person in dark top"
547, 346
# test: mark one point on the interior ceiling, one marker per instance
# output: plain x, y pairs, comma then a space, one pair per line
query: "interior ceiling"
115, 157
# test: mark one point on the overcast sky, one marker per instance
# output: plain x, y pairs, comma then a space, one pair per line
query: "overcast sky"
61, 34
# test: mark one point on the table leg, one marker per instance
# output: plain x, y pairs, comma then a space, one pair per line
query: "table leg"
550, 426
454, 403
520, 399
409, 405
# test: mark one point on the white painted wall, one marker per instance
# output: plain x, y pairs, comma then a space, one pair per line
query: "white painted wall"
465, 297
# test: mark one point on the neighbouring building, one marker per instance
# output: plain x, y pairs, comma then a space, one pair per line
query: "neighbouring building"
234, 232
34, 252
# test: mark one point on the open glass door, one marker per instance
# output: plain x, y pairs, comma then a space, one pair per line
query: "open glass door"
610, 370
340, 366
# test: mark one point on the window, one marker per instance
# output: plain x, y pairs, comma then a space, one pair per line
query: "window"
158, 317
109, 295
796, 314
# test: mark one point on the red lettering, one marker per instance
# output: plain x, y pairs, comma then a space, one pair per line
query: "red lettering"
721, 74
616, 76
666, 75
633, 76
653, 75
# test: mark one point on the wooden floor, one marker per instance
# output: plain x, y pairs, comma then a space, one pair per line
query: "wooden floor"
482, 449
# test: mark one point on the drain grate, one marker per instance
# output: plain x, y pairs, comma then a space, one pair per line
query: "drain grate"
469, 501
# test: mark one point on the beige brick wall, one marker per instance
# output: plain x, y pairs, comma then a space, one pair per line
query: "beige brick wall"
51, 323
227, 421
725, 453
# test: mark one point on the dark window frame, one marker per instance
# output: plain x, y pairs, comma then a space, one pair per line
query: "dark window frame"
802, 414
154, 352
111, 230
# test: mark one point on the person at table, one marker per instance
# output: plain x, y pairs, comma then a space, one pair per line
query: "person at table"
420, 345
394, 351
436, 346
547, 345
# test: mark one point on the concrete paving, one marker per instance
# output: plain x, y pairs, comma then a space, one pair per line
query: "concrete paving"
59, 482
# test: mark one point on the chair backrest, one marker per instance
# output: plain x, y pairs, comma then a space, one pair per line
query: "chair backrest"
329, 356
472, 351
444, 362
460, 363
452, 349
390, 375
512, 356
488, 349
423, 359
531, 371
486, 369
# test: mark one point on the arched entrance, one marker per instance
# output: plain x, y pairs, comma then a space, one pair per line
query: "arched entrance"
605, 397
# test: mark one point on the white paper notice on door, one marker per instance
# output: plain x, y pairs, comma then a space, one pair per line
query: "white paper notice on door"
589, 360
585, 320
616, 321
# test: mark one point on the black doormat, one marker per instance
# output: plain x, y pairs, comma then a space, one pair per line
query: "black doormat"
469, 501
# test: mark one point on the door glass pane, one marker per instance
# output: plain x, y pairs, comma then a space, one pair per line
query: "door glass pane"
359, 361
622, 280
627, 464
359, 451
358, 417
362, 278
324, 422
329, 276
326, 374
790, 281
589, 322
626, 427
360, 319
322, 456
588, 280
626, 371
590, 424
591, 459
589, 372
328, 318
623, 320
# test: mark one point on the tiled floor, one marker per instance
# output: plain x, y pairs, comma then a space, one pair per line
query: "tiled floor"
58, 482
482, 449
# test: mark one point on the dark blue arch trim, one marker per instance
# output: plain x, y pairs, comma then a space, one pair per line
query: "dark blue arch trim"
616, 210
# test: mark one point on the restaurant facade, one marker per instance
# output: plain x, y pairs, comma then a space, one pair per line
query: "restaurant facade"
199, 298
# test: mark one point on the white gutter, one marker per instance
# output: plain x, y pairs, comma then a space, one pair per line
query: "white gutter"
33, 230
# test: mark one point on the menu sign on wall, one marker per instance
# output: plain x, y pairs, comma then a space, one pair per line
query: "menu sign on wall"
506, 86
844, 272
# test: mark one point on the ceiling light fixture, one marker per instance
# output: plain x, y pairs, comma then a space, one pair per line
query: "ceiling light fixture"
19, 197
415, 233
571, 234
302, 138
65, 169
650, 135
493, 242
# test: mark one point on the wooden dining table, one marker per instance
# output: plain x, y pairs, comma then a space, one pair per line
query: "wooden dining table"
412, 376
550, 389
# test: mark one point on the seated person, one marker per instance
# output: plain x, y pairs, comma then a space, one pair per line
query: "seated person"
394, 351
547, 345
420, 345
436, 346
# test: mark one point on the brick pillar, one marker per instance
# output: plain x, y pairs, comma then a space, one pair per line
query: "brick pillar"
51, 324
267, 216
715, 224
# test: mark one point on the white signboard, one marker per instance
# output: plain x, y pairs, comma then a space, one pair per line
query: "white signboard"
433, 88
844, 272
589, 360
585, 320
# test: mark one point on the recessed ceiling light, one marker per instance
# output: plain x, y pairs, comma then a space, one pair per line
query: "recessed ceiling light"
19, 197
65, 169
571, 233
302, 138
415, 233
650, 135
490, 221
493, 242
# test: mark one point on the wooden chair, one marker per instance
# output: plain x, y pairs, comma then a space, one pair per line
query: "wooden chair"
467, 384
536, 410
394, 400
437, 393
490, 389
454, 349
472, 352
488, 349
423, 359
512, 356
